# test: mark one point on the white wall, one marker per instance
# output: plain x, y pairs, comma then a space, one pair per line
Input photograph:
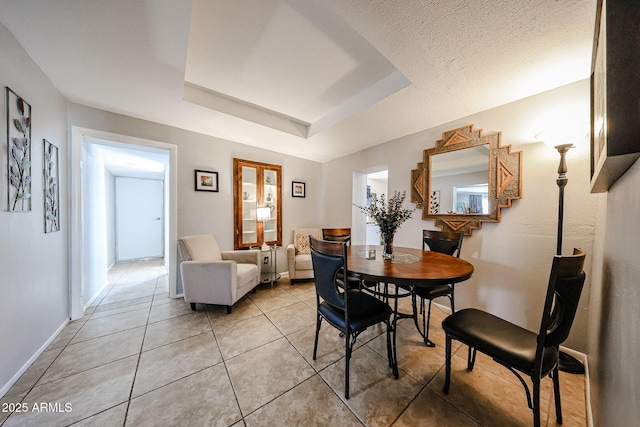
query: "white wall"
512, 259
614, 343
33, 265
110, 202
96, 225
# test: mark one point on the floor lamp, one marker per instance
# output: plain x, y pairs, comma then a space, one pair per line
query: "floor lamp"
566, 362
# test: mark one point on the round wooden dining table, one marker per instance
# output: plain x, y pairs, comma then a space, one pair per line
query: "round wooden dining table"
410, 268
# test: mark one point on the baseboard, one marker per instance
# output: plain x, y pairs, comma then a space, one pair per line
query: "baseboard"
444, 308
32, 359
587, 388
97, 294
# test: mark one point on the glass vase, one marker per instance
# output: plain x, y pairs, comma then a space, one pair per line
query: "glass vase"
387, 250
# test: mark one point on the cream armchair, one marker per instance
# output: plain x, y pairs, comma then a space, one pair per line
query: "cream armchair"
299, 254
211, 276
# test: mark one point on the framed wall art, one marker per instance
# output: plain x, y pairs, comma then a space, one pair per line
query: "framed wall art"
298, 189
206, 181
18, 153
615, 129
50, 183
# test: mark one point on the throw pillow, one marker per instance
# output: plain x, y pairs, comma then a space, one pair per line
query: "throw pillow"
302, 244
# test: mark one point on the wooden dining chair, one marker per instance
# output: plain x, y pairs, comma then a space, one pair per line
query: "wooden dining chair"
350, 311
337, 234
516, 348
446, 242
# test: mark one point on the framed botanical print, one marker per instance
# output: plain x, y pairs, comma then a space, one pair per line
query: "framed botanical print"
50, 182
18, 153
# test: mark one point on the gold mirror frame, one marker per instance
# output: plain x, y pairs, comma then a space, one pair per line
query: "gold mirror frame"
505, 182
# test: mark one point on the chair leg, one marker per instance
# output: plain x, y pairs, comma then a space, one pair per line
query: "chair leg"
414, 308
536, 402
453, 303
315, 343
193, 306
471, 358
347, 358
556, 393
394, 328
391, 350
427, 341
447, 365
229, 308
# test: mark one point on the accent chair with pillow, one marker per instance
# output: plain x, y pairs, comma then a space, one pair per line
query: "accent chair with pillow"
212, 276
299, 254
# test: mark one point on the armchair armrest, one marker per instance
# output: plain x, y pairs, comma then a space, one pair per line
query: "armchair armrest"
204, 280
291, 259
242, 257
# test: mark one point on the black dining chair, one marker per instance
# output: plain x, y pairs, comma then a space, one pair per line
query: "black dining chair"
350, 311
446, 242
516, 348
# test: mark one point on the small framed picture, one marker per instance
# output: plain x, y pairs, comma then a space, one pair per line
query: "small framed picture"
206, 181
298, 189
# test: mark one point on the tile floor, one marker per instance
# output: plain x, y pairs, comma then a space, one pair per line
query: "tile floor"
139, 358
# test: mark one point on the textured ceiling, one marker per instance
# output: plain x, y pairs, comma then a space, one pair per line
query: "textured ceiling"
333, 69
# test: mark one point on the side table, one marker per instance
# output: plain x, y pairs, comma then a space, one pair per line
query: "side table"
269, 264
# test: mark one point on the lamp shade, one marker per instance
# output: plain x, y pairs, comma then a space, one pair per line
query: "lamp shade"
263, 214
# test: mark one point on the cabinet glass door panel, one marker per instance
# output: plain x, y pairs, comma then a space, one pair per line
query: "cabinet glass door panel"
249, 205
270, 197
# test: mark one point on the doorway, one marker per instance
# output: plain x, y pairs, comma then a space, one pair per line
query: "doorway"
98, 160
367, 184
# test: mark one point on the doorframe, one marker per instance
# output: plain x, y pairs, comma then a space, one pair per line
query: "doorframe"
76, 220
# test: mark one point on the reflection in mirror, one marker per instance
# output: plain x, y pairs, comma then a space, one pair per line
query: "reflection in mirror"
460, 180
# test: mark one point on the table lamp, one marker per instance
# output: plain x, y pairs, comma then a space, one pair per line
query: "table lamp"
263, 214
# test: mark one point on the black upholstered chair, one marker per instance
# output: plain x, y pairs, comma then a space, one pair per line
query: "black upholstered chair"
337, 235
516, 348
445, 242
350, 311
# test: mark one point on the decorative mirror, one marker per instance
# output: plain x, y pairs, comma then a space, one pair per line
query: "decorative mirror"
466, 179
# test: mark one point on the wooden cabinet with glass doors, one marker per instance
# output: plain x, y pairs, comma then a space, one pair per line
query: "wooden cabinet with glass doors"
257, 185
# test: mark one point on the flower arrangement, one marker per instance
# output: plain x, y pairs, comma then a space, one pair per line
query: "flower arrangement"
389, 216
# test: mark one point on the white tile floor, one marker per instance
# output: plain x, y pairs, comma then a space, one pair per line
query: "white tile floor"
140, 358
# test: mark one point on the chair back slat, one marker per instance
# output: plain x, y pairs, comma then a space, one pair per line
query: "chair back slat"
563, 295
327, 259
446, 242
336, 234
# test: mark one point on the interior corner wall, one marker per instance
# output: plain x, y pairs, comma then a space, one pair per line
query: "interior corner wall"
34, 290
96, 225
512, 258
614, 343
110, 203
206, 212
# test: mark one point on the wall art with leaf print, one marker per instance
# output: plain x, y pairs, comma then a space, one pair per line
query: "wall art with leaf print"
18, 153
50, 183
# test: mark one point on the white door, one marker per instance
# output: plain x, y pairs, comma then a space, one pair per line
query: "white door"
139, 218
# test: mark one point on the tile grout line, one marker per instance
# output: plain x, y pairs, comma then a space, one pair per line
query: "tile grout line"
133, 382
